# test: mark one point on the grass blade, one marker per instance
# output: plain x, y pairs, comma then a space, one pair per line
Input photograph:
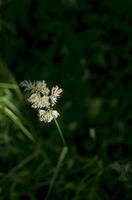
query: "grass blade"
18, 123
59, 164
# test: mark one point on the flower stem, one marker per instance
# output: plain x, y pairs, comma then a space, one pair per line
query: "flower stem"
59, 164
60, 160
60, 132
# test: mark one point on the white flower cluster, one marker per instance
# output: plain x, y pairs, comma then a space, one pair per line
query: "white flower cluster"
43, 99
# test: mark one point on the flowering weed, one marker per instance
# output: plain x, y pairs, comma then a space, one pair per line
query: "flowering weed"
43, 99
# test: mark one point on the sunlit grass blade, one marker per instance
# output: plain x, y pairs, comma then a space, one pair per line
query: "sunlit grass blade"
59, 164
13, 108
18, 123
12, 86
7, 86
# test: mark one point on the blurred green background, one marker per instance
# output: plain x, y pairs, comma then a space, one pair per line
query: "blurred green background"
85, 48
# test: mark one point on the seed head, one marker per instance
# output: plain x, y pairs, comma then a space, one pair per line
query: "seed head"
43, 99
47, 116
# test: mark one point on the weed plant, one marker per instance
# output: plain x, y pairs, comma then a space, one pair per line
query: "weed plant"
84, 47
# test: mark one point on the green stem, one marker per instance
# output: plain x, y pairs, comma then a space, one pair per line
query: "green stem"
60, 161
60, 132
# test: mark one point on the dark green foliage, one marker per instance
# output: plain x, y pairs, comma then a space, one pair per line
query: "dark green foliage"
84, 47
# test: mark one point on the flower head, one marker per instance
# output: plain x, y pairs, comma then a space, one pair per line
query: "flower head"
35, 87
28, 85
47, 116
39, 101
55, 94
43, 99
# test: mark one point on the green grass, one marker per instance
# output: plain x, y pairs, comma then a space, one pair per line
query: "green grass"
84, 47
28, 164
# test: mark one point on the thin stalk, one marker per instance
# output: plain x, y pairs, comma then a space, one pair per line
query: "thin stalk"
60, 132
60, 161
